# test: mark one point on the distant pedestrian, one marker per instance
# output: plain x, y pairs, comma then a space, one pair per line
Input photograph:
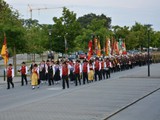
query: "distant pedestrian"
42, 71
56, 71
85, 71
77, 71
50, 73
65, 72
35, 76
90, 72
23, 71
10, 75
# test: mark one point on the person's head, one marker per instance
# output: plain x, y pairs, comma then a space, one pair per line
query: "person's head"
35, 65
10, 65
23, 63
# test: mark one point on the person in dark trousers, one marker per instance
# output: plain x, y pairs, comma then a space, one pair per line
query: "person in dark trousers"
71, 69
65, 71
42, 71
77, 71
97, 69
10, 75
56, 71
23, 71
85, 71
50, 73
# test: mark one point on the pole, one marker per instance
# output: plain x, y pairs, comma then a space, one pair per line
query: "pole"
148, 29
148, 55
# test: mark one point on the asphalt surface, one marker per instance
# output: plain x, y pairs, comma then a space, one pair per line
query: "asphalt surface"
146, 109
94, 101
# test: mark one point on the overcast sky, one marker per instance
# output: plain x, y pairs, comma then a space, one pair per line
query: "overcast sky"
122, 12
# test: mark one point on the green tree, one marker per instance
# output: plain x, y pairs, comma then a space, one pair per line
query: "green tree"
86, 20
65, 27
12, 26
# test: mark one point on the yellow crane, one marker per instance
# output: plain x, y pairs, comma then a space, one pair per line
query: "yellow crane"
38, 9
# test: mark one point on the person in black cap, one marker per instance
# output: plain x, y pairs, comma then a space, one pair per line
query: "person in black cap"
85, 71
23, 71
10, 75
64, 73
77, 72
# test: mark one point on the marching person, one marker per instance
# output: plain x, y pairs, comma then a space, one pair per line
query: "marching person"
31, 66
90, 72
56, 71
42, 71
85, 71
64, 74
50, 73
47, 75
10, 75
77, 71
108, 66
97, 69
103, 65
23, 71
35, 76
71, 69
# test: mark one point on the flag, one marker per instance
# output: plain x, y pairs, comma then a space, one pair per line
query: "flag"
108, 47
90, 51
120, 46
99, 49
124, 52
4, 51
95, 45
116, 48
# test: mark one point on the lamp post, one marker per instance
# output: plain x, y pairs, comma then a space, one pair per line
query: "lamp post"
148, 30
50, 43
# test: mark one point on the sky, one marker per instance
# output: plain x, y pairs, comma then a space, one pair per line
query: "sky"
122, 12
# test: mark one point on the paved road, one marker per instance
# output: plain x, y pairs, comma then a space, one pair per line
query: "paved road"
93, 101
146, 109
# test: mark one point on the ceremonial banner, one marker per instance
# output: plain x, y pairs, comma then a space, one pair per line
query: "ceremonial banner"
90, 51
4, 51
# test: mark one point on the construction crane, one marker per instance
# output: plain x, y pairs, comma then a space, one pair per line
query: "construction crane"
38, 9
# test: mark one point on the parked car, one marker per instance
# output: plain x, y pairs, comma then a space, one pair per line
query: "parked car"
82, 56
72, 57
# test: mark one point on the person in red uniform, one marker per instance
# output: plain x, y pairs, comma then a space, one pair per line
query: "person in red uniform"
85, 71
23, 71
10, 75
102, 69
77, 71
65, 75
97, 69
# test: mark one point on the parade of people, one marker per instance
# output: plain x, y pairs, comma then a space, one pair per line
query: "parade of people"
78, 71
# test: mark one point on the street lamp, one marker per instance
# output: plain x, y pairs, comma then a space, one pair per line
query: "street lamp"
50, 33
148, 30
50, 43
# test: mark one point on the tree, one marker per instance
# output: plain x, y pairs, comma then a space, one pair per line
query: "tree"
86, 20
65, 27
11, 25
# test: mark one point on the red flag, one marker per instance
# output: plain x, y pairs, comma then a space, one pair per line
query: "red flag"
90, 51
99, 48
4, 51
124, 52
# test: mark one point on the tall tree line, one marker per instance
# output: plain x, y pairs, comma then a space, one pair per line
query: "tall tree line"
31, 37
